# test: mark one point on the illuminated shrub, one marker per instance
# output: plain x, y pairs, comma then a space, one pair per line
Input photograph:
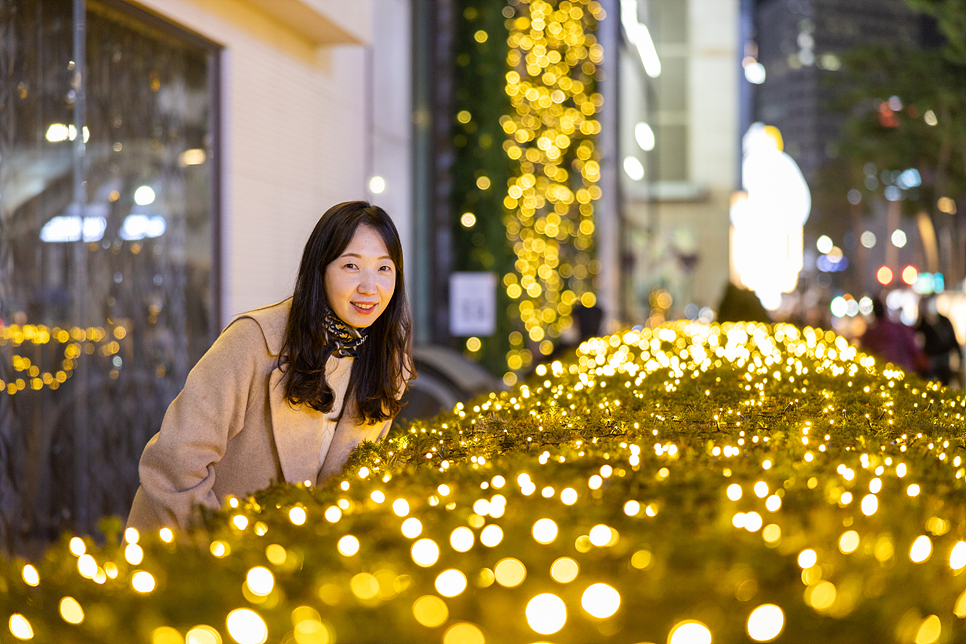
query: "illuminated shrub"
684, 484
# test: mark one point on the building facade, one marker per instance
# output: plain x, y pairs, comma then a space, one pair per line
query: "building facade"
161, 165
679, 150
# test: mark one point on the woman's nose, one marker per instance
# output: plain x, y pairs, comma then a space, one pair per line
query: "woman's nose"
367, 282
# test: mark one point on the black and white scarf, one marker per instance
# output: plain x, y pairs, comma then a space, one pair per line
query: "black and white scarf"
346, 338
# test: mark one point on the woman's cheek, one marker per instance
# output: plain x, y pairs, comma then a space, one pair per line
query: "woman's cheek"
389, 284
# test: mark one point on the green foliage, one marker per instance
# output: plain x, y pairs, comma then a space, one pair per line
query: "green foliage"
925, 82
928, 131
951, 18
480, 98
635, 451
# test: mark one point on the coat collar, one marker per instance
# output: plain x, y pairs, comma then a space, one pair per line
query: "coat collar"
272, 320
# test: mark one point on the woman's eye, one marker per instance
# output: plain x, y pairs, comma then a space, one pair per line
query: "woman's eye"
385, 268
349, 266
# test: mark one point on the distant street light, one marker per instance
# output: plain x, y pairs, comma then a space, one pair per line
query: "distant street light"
884, 275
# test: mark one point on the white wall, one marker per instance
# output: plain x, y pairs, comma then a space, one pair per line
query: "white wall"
713, 120
293, 132
695, 210
390, 121
714, 139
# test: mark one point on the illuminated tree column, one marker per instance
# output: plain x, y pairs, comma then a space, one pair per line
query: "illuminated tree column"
554, 60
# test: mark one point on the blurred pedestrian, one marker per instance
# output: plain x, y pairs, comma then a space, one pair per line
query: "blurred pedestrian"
741, 305
891, 341
587, 320
288, 391
939, 341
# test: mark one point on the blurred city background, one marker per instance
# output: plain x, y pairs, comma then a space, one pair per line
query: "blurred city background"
557, 169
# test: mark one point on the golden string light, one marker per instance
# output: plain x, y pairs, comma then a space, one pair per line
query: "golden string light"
76, 341
553, 62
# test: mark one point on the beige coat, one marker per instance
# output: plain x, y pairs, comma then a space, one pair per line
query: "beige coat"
231, 432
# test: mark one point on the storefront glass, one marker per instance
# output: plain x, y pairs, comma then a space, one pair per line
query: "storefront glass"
108, 280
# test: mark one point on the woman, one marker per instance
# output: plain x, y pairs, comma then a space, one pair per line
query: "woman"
288, 391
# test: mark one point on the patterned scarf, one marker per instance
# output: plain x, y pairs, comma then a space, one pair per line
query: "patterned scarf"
347, 339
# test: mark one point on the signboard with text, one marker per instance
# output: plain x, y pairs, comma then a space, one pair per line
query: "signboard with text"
472, 304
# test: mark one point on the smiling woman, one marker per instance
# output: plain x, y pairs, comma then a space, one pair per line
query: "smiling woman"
288, 391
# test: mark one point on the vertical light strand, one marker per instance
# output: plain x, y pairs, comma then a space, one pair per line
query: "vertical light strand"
553, 65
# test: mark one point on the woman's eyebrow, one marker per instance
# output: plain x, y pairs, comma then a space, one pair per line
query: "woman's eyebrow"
360, 256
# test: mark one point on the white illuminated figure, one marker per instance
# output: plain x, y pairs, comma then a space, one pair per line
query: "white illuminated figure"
767, 218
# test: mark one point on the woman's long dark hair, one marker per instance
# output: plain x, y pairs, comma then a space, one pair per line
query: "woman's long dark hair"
383, 363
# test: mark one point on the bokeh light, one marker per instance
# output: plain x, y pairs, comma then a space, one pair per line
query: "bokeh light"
821, 596
957, 557
462, 539
463, 633
430, 611
491, 536
910, 274
450, 583
20, 627
142, 581
600, 600
71, 611
689, 632
377, 185
807, 558
364, 586
425, 552
546, 613
260, 581
929, 630
297, 515
510, 572
765, 623
348, 545
204, 634
544, 531
564, 570
412, 528
247, 627
884, 275
30, 575
921, 549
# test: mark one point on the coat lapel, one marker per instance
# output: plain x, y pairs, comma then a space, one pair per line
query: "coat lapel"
297, 432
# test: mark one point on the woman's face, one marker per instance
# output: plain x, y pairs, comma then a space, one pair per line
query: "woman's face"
359, 284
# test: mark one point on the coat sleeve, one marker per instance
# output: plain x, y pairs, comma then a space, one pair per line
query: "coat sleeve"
177, 466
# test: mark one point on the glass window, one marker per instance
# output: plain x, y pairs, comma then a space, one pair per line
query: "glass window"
108, 286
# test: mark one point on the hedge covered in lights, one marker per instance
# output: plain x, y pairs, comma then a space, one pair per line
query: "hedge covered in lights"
689, 484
